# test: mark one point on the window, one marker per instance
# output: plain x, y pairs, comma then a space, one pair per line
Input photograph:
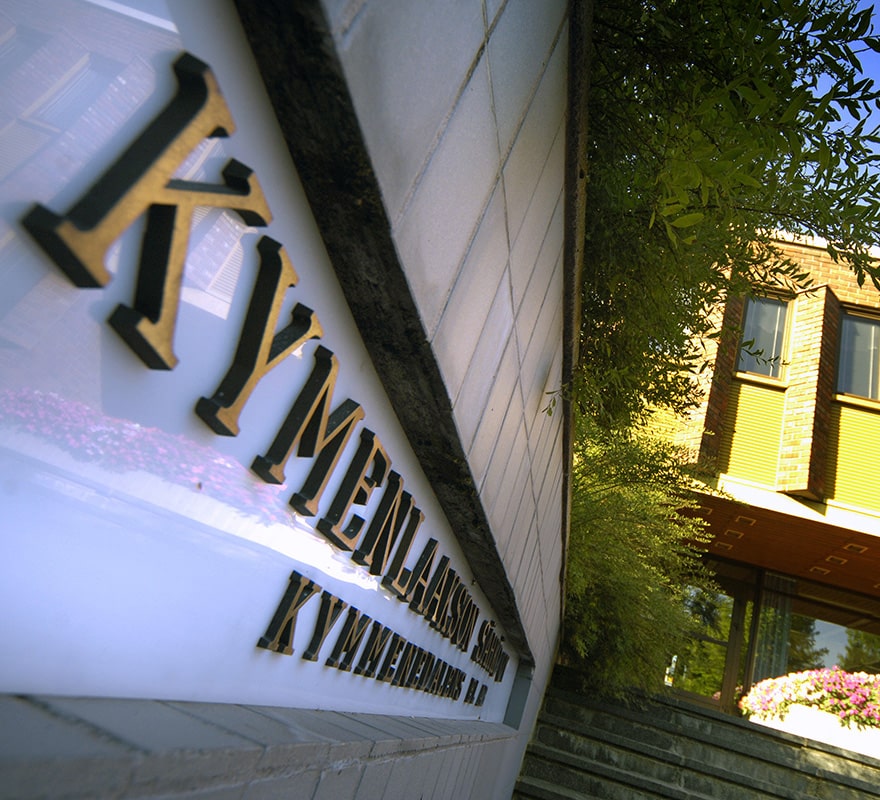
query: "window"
859, 356
763, 336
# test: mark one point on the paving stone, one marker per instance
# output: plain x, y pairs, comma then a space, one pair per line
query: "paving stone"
148, 725
218, 793
182, 753
374, 780
42, 755
29, 731
326, 726
299, 787
242, 721
406, 780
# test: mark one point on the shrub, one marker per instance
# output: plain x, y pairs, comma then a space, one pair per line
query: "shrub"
630, 559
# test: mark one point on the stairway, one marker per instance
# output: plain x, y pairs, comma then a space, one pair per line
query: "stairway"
665, 748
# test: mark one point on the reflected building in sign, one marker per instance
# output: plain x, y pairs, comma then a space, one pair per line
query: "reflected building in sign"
283, 301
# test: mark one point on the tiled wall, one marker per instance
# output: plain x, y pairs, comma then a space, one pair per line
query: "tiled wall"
462, 106
463, 115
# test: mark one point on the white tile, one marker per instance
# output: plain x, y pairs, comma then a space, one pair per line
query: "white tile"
540, 237
483, 401
535, 327
505, 509
437, 227
519, 48
543, 352
405, 64
525, 164
475, 290
544, 438
510, 450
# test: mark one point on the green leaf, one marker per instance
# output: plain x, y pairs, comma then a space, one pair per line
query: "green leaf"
688, 220
725, 125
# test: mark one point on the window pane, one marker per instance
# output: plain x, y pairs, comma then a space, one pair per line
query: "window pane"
763, 335
859, 356
798, 631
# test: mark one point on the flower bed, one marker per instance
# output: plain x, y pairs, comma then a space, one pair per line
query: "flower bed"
829, 705
853, 697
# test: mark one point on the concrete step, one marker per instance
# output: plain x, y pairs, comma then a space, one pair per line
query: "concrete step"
667, 749
528, 788
595, 780
719, 742
604, 730
694, 773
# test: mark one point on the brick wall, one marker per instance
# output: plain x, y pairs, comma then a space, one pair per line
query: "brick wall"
798, 472
842, 281
809, 370
721, 379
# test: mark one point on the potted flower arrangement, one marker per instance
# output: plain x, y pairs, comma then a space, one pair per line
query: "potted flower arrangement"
829, 705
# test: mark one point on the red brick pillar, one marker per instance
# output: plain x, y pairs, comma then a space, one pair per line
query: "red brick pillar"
722, 378
810, 378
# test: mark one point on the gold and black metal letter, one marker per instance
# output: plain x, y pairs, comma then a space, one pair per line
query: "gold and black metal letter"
279, 634
259, 347
366, 471
331, 608
141, 182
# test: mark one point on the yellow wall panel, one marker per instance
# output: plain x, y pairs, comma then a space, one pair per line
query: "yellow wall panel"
751, 434
854, 442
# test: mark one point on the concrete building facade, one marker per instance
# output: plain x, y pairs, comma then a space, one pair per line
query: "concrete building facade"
390, 177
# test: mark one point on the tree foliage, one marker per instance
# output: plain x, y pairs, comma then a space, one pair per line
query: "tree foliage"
862, 652
714, 125
803, 650
630, 558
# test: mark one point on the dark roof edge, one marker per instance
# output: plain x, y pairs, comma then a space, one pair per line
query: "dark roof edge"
576, 169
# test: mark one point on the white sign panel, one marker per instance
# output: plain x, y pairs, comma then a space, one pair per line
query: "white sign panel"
205, 493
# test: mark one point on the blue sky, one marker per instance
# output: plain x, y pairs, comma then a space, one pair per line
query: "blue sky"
871, 60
